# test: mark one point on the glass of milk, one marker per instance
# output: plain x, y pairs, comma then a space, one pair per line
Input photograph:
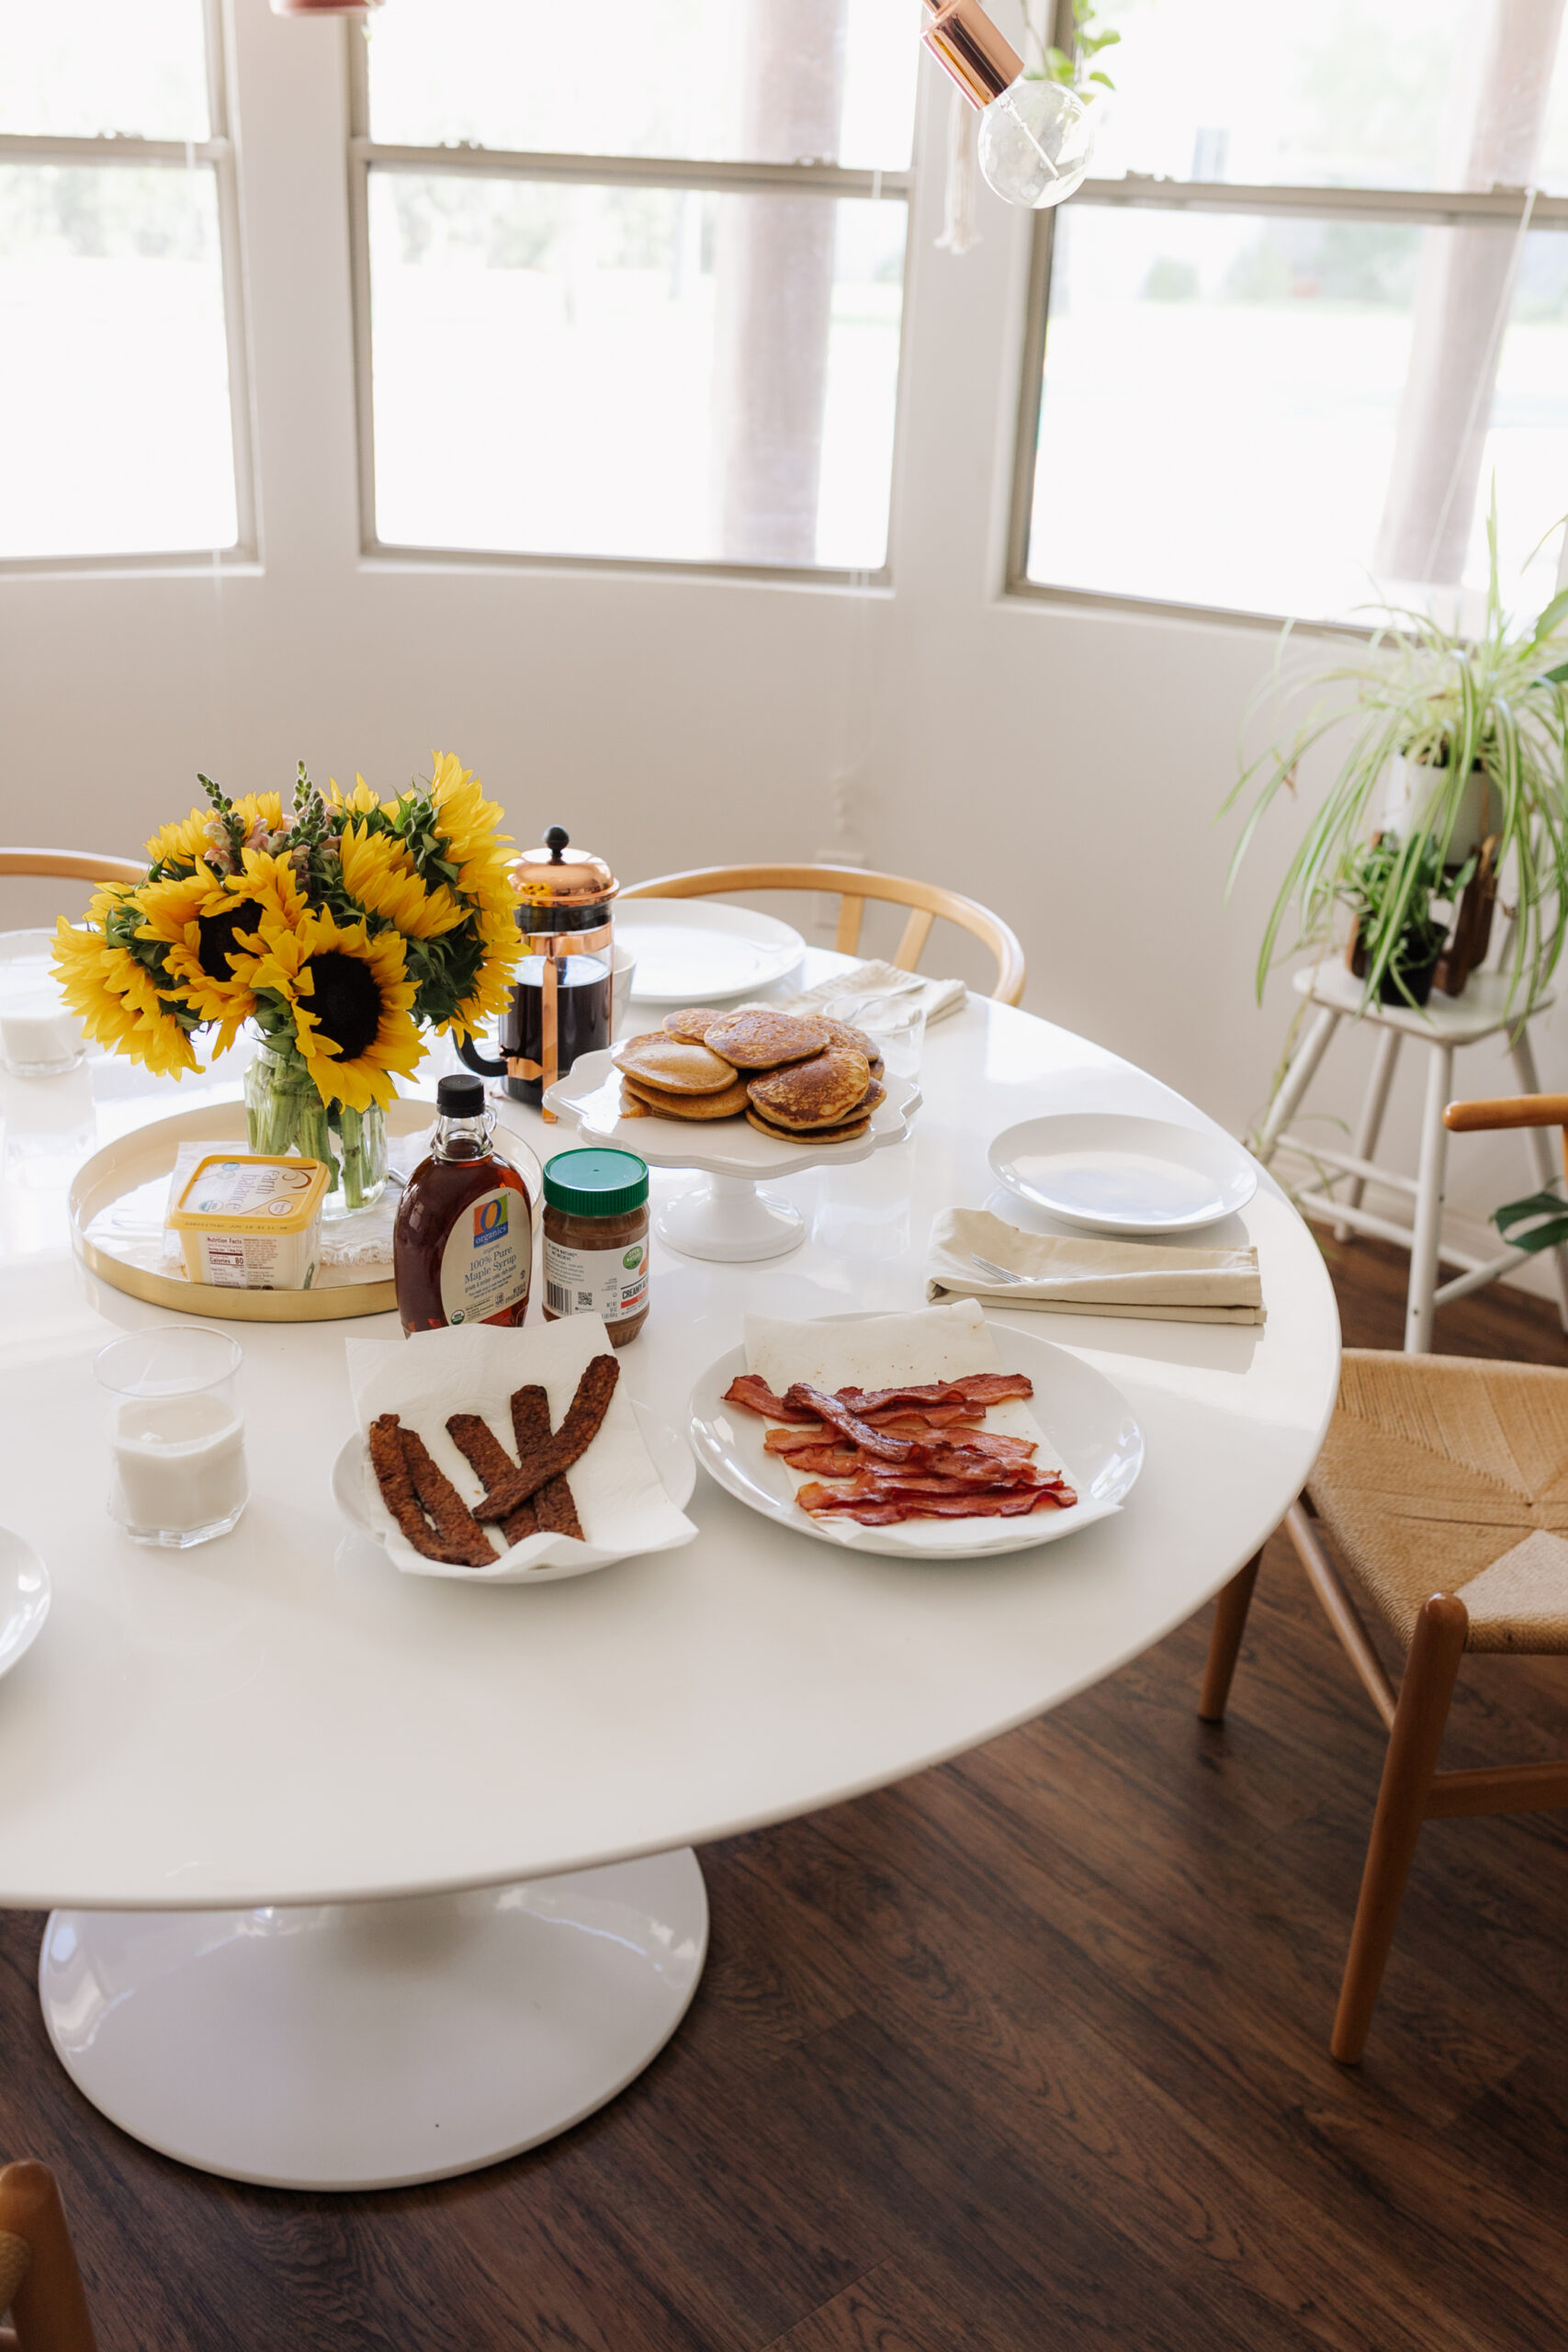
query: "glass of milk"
176, 1431
39, 1036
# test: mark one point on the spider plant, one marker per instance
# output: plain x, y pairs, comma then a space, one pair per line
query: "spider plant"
1497, 702
1365, 885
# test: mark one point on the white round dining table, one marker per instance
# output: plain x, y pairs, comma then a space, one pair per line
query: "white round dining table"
359, 1878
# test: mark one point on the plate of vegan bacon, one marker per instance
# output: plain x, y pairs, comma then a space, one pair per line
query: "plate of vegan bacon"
937, 1434
508, 1456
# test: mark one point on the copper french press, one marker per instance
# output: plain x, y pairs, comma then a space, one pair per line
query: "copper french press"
559, 1007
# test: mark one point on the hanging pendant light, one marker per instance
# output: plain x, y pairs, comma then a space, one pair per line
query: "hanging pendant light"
1035, 134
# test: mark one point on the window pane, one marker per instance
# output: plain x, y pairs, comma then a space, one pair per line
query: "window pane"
80, 67
644, 372
115, 434
756, 80
1275, 415
1408, 93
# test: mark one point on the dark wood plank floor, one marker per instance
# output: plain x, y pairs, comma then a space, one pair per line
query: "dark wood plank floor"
1027, 2055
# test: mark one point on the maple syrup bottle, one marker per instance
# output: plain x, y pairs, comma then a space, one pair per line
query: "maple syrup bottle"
463, 1245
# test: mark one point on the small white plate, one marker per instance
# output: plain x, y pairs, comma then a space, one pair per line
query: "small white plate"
699, 951
1084, 1420
23, 1595
353, 1480
1109, 1173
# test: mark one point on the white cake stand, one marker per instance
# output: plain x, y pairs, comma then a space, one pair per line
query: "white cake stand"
728, 1215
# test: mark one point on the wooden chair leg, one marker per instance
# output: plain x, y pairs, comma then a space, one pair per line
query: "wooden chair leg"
51, 2306
1413, 1748
1224, 1641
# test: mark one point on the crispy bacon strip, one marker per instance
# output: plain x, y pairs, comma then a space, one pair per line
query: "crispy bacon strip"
839, 1417
889, 1504
973, 1388
798, 1436
584, 1419
464, 1544
904, 1421
554, 1504
751, 1393
486, 1455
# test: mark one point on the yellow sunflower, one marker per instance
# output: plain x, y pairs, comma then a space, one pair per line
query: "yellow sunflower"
270, 879
350, 998
210, 930
467, 824
378, 874
181, 843
360, 802
115, 1000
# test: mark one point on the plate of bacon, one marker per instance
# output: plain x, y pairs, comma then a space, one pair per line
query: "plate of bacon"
1014, 1441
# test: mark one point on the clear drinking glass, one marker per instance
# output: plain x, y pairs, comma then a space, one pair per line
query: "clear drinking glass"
39, 1035
176, 1431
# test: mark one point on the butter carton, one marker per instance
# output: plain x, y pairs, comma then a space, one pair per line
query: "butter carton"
247, 1222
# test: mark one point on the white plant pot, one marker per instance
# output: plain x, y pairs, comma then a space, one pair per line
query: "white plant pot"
1411, 792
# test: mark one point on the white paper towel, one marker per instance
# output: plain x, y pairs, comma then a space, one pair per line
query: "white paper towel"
619, 1496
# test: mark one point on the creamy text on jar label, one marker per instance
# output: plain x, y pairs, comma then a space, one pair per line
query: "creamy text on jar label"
485, 1265
611, 1282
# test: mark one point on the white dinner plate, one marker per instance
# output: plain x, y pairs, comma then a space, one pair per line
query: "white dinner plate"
24, 1596
699, 951
1086, 1423
353, 1479
1109, 1173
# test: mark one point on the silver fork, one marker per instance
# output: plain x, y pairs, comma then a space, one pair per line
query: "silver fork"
999, 1272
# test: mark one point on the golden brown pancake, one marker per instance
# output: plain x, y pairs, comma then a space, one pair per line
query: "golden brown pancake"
840, 1034
844, 1134
818, 1093
630, 1107
692, 1026
674, 1066
727, 1105
762, 1039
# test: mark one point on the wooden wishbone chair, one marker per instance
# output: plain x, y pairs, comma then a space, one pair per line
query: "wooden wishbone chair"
40, 2283
1442, 1488
926, 902
70, 865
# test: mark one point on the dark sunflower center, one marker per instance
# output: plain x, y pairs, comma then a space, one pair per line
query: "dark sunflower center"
346, 1001
218, 939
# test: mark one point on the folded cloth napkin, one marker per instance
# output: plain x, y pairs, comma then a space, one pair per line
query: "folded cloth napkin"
938, 998
1086, 1276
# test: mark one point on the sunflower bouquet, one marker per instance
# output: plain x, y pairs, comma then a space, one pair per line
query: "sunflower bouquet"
341, 930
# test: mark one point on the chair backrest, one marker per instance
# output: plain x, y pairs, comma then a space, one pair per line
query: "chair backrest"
39, 2277
70, 865
853, 886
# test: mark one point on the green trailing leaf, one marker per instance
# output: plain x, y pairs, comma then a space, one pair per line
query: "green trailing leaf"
1550, 1213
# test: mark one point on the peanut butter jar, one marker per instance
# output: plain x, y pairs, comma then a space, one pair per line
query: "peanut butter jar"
596, 1239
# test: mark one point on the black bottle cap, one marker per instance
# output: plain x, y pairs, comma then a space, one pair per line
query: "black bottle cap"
460, 1098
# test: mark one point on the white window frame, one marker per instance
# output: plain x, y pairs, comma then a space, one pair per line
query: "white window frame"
364, 154
1440, 208
109, 151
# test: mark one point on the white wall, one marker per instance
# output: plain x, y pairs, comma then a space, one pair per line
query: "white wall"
1063, 765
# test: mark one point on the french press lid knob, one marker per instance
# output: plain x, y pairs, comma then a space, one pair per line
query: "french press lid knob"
556, 841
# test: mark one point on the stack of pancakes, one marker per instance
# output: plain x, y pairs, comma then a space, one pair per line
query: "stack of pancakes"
798, 1077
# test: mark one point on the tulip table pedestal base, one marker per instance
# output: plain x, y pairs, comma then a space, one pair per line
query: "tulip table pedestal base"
369, 2045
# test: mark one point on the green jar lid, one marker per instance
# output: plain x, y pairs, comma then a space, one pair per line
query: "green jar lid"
596, 1184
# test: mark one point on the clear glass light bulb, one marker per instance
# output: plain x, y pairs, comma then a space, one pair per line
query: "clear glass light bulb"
1036, 142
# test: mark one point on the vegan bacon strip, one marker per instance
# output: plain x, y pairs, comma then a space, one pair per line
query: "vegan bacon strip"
584, 1419
484, 1453
554, 1505
468, 1545
401, 1474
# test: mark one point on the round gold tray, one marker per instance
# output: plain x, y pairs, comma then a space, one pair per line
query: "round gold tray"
150, 1152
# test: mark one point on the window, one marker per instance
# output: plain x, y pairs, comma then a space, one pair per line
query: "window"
630, 281
121, 394
1314, 303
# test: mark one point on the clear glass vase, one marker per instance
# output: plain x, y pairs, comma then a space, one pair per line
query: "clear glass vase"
284, 1113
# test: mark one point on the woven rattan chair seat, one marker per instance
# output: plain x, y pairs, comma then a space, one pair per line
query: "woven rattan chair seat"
1446, 1474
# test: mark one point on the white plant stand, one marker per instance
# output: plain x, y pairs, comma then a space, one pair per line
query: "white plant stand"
1442, 1026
